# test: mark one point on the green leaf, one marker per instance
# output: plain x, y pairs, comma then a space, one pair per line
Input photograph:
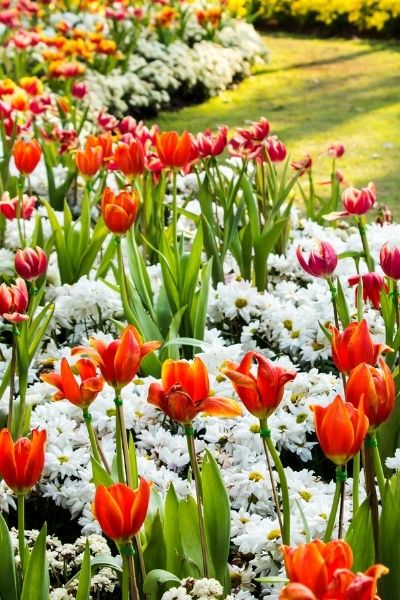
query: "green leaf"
155, 552
155, 580
190, 537
389, 539
198, 320
342, 307
217, 515
100, 475
359, 536
84, 576
133, 461
36, 581
8, 580
171, 532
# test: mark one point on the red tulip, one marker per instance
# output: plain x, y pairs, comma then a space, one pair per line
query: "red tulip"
372, 285
261, 393
26, 155
14, 300
173, 150
119, 211
257, 132
276, 149
79, 90
390, 260
354, 346
30, 263
82, 394
21, 462
10, 207
336, 150
120, 510
119, 360
304, 164
376, 387
358, 202
340, 429
130, 158
322, 260
184, 393
212, 145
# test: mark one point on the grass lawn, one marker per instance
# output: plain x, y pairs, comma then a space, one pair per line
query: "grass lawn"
315, 92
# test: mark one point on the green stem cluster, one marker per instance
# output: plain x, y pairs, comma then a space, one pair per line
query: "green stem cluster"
338, 499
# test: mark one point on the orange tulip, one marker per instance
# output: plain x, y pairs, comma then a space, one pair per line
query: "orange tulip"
119, 211
81, 395
315, 563
130, 159
340, 429
119, 360
104, 141
173, 150
21, 462
354, 346
89, 160
120, 510
184, 393
261, 394
378, 389
26, 155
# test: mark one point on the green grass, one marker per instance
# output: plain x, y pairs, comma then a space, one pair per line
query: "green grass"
315, 92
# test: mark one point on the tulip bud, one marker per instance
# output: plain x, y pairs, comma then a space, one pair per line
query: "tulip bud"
14, 301
322, 260
390, 261
79, 90
359, 202
26, 156
336, 150
30, 264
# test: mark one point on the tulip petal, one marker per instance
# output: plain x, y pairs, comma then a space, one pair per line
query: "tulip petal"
215, 406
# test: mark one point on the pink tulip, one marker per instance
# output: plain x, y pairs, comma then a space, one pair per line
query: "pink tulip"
322, 260
390, 261
14, 301
30, 263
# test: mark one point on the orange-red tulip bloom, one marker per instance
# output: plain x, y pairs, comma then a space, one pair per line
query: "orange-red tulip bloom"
261, 393
174, 151
104, 141
119, 360
120, 510
185, 390
378, 389
315, 563
354, 346
80, 394
89, 160
119, 211
130, 158
26, 155
21, 462
341, 429
14, 300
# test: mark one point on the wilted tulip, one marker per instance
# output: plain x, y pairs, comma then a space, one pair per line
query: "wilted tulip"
336, 150
372, 285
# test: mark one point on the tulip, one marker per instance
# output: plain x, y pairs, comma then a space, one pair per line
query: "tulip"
21, 462
185, 390
119, 360
104, 141
304, 164
372, 285
257, 132
341, 429
130, 158
262, 393
120, 510
81, 395
377, 388
390, 260
119, 211
30, 264
276, 149
26, 155
322, 260
32, 85
79, 90
9, 207
212, 145
315, 563
106, 121
354, 346
358, 202
89, 160
175, 151
336, 150
14, 300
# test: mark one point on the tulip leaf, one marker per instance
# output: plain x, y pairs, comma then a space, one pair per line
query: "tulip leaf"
341, 304
8, 580
133, 461
155, 552
359, 536
171, 532
190, 538
84, 576
36, 584
389, 539
389, 436
155, 579
198, 312
217, 515
100, 475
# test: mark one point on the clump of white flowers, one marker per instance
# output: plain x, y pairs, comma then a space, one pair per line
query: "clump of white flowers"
199, 589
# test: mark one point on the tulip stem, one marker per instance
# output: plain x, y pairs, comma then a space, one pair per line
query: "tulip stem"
97, 451
371, 492
368, 258
19, 210
128, 469
199, 496
118, 441
21, 530
271, 475
335, 316
339, 494
372, 441
356, 482
266, 434
13, 365
129, 574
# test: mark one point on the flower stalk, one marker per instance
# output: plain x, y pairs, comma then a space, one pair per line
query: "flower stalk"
21, 530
